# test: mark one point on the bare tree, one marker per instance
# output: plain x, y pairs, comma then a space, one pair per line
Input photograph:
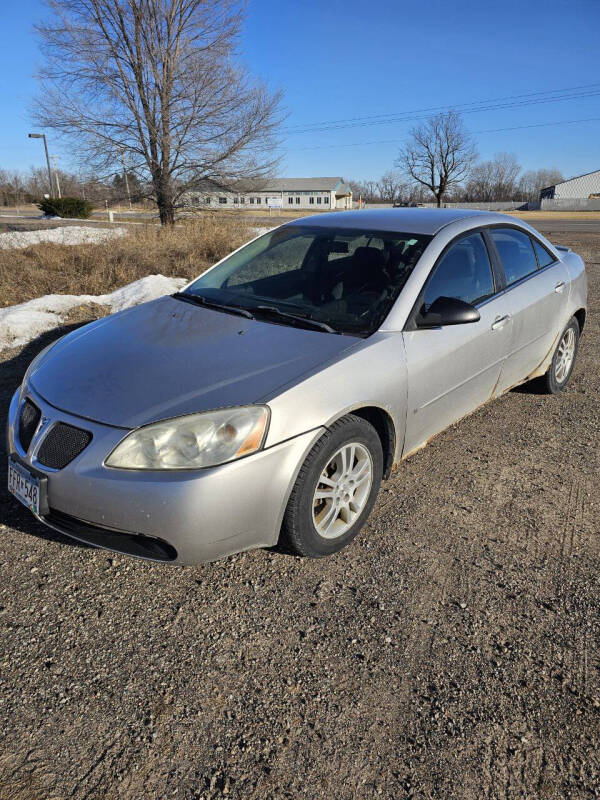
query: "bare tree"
391, 187
533, 181
36, 183
494, 180
371, 194
156, 80
13, 190
366, 190
439, 154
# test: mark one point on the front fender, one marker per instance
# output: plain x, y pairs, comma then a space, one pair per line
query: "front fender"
371, 375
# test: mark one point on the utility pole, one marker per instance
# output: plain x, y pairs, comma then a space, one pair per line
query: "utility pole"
126, 178
43, 136
56, 176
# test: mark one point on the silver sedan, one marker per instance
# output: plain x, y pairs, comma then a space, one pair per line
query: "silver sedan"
265, 402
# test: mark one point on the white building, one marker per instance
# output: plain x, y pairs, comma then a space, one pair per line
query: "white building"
582, 187
312, 194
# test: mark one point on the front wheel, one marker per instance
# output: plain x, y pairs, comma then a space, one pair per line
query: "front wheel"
563, 360
335, 490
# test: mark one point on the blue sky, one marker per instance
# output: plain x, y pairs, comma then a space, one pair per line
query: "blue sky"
341, 59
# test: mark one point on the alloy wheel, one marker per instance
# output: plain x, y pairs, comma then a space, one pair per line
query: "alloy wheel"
342, 490
565, 355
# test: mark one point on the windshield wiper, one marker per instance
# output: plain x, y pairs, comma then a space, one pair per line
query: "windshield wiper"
298, 319
202, 301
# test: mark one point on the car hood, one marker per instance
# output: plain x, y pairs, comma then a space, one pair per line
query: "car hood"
167, 358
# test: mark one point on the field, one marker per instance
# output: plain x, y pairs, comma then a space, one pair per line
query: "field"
452, 651
184, 251
533, 216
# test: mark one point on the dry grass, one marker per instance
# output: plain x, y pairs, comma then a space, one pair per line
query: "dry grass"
291, 213
183, 251
554, 215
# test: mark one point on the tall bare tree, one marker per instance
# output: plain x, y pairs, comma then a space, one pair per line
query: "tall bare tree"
439, 154
157, 81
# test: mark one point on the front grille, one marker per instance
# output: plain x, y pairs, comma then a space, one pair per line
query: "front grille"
28, 422
133, 544
62, 444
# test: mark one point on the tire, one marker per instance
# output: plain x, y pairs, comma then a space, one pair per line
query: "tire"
560, 371
317, 527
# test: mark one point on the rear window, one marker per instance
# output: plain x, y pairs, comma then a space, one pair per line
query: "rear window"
515, 249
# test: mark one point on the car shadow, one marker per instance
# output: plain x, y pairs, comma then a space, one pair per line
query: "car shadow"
534, 386
12, 513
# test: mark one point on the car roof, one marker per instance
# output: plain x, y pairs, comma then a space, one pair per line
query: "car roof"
400, 220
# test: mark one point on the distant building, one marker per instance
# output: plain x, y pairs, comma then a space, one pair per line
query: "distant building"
311, 194
582, 187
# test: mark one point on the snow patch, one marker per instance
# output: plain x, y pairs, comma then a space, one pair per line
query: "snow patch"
76, 234
261, 231
21, 323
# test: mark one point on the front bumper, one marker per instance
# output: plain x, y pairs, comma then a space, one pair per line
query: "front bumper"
199, 515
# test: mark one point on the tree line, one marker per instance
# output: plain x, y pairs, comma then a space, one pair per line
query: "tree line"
19, 187
498, 179
439, 163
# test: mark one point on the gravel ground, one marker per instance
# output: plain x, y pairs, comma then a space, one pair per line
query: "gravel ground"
452, 651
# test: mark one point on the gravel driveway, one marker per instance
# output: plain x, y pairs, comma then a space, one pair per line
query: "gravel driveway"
451, 652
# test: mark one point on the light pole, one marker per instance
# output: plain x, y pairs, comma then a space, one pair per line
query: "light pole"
126, 178
56, 177
43, 136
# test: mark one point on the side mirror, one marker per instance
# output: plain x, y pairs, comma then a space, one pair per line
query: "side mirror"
447, 311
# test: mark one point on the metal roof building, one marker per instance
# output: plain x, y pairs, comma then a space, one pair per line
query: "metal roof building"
314, 194
584, 187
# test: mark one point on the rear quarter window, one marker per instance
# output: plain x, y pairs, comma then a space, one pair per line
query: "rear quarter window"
544, 256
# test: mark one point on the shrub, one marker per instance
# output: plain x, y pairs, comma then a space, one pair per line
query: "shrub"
68, 207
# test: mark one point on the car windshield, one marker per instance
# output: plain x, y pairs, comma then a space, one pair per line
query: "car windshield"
330, 279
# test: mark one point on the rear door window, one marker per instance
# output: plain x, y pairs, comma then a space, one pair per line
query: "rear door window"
515, 249
464, 272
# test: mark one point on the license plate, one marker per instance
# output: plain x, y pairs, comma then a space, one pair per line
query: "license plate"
24, 486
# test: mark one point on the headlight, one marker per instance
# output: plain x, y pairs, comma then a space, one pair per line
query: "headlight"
193, 441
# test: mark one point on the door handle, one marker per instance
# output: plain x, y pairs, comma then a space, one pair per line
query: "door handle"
500, 322
559, 286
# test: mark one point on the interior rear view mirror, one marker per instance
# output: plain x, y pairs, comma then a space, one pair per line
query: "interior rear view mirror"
337, 247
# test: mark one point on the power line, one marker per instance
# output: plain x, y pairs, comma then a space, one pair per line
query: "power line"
473, 102
489, 130
491, 104
491, 107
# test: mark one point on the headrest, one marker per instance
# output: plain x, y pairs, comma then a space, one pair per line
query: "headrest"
369, 257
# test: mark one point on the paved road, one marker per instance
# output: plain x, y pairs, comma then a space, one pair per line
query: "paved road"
547, 225
550, 226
